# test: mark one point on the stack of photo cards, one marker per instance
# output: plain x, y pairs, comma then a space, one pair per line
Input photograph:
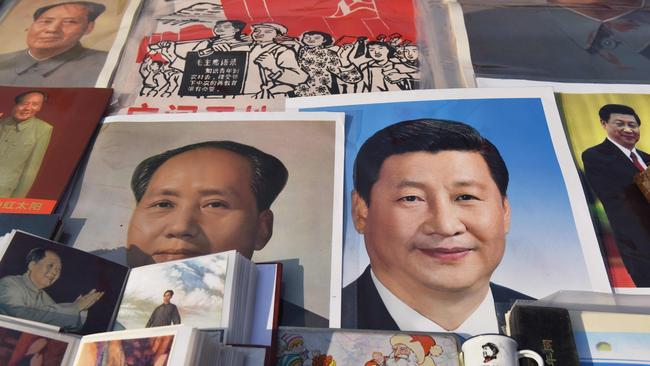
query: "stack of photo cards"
180, 345
24, 342
48, 282
170, 345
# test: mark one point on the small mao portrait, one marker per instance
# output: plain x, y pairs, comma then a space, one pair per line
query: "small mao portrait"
24, 296
165, 313
24, 139
490, 351
203, 198
63, 44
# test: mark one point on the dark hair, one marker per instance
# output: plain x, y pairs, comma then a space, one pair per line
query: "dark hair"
391, 49
491, 346
268, 178
238, 24
428, 135
168, 291
327, 38
606, 111
94, 9
36, 254
19, 98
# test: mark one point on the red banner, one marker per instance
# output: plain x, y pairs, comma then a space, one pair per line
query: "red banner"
26, 206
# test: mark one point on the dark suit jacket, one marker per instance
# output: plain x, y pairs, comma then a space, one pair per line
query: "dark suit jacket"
363, 308
610, 174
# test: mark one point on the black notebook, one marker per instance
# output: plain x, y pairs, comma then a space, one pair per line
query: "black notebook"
545, 330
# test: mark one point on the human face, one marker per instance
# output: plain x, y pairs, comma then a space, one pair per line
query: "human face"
264, 34
313, 40
411, 53
436, 222
27, 107
401, 350
58, 29
378, 357
167, 297
224, 29
623, 128
196, 203
46, 271
378, 52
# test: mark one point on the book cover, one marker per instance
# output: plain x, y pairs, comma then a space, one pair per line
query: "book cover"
43, 134
604, 338
30, 343
545, 330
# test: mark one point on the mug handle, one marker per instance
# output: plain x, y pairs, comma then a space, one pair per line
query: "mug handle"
526, 353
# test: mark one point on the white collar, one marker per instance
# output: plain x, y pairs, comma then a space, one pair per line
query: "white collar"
482, 320
627, 151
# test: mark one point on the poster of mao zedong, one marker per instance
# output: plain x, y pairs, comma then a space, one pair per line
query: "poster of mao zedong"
458, 203
63, 43
266, 184
43, 133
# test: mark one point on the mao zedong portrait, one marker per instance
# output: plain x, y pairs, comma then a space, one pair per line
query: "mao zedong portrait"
204, 198
610, 168
23, 296
430, 200
165, 313
54, 55
24, 139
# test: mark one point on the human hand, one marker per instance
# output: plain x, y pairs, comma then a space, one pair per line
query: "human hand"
345, 52
37, 346
84, 302
221, 47
36, 360
394, 76
267, 61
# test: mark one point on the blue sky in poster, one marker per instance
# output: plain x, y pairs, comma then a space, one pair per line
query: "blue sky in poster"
542, 246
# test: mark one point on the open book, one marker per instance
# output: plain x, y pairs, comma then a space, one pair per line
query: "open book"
44, 281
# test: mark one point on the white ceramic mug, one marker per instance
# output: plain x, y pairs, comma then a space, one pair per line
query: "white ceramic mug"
495, 350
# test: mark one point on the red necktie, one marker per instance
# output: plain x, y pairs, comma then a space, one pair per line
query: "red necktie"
636, 163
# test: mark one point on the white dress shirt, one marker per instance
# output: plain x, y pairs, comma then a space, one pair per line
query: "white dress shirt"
627, 152
482, 320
